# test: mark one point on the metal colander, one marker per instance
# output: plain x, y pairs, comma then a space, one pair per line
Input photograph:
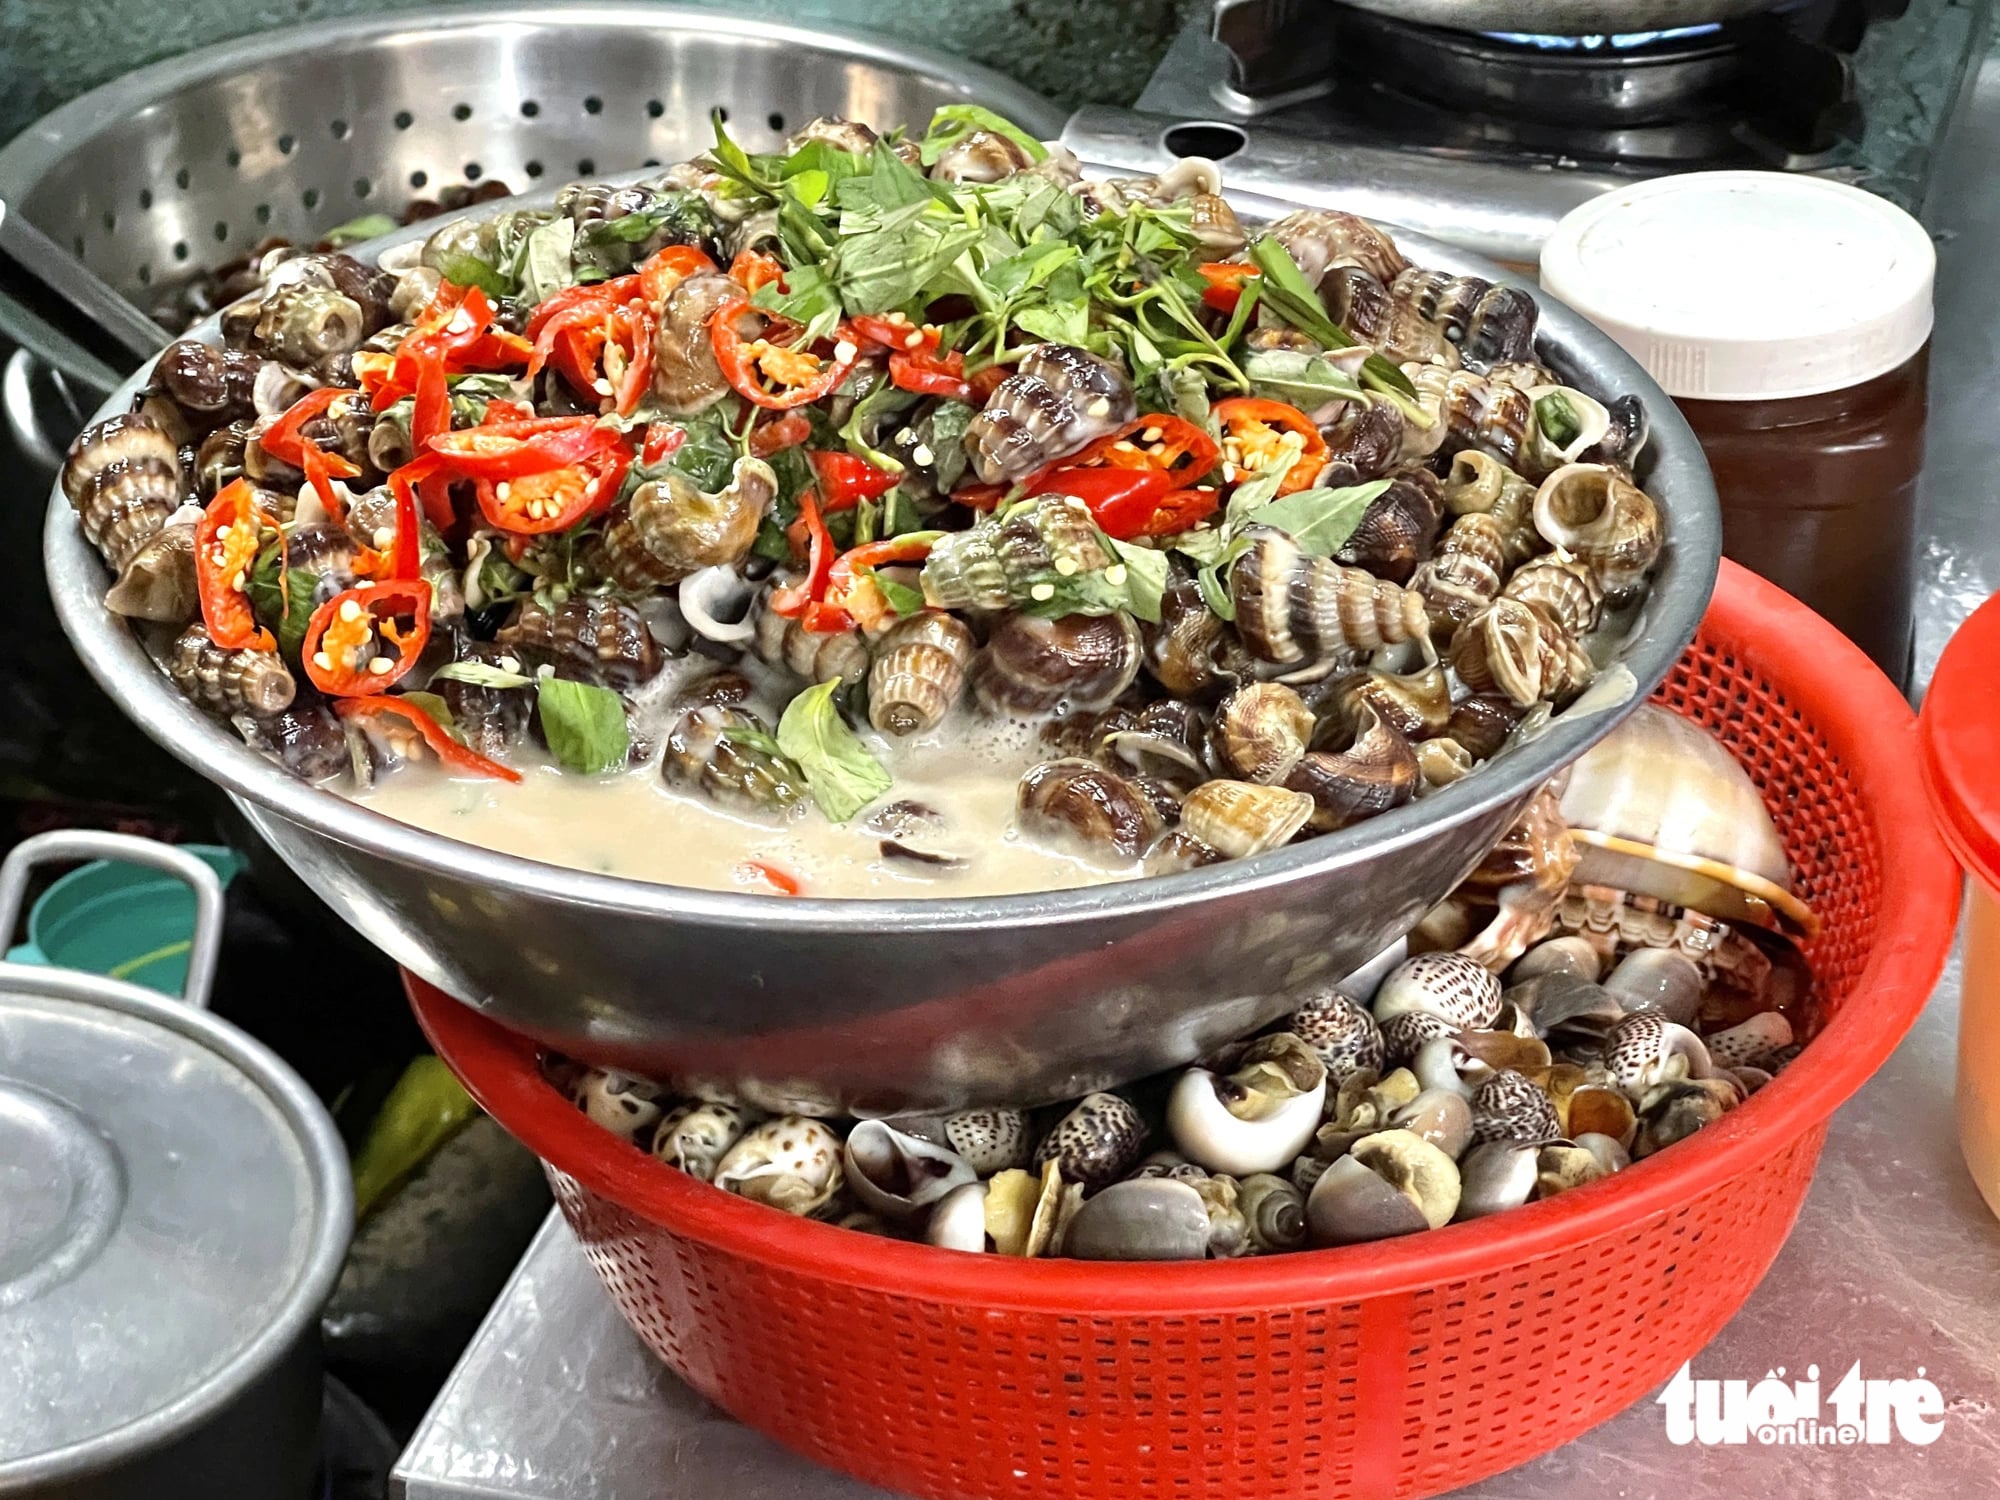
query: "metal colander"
190, 162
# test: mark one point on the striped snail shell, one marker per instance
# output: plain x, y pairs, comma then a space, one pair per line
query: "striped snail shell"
1082, 803
225, 681
158, 580
712, 750
815, 655
1182, 648
1563, 588
305, 737
1470, 411
219, 459
598, 640
123, 475
1058, 399
1603, 520
1000, 563
1293, 608
1516, 649
300, 323
1261, 729
919, 672
1032, 666
670, 529
1398, 529
1377, 772
1319, 239
1465, 574
1364, 441
1242, 818
1376, 316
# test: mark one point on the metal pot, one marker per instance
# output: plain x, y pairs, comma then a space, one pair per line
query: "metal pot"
177, 1208
1565, 17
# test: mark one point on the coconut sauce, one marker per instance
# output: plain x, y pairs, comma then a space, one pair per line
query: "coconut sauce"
633, 824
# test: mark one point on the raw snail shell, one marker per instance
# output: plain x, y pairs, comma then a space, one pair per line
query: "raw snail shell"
1242, 818
1095, 1143
123, 475
225, 681
1275, 1212
1440, 1116
1341, 1032
1498, 1175
990, 1140
1259, 1117
899, 1176
1155, 1218
1644, 1051
1750, 1044
1458, 990
1663, 980
790, 1163
1403, 1036
1603, 520
1391, 1183
696, 1137
1507, 1107
919, 672
619, 1102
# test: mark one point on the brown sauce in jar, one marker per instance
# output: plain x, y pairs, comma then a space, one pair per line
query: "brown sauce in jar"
1819, 495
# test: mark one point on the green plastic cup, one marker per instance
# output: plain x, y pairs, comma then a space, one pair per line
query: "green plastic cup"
125, 921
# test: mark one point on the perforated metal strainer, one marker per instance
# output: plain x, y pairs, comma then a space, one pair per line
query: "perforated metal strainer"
190, 162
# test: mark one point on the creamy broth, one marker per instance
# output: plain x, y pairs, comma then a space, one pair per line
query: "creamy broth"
634, 825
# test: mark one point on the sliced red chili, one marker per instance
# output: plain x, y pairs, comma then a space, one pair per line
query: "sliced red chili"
663, 440
226, 543
845, 480
980, 496
792, 599
1225, 280
914, 361
285, 440
756, 871
366, 638
509, 450
1180, 509
751, 269
787, 431
803, 376
1255, 432
1121, 501
985, 382
406, 559
553, 499
666, 269
592, 294
441, 744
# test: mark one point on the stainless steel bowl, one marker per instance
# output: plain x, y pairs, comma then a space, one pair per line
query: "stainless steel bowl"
818, 1004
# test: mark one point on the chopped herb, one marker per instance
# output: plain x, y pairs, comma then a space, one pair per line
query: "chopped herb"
903, 599
843, 775
545, 263
952, 123
284, 613
354, 231
584, 724
480, 674
1320, 521
1302, 379
1559, 422
1146, 574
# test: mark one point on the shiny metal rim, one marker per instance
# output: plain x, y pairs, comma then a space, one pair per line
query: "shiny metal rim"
333, 1191
1681, 589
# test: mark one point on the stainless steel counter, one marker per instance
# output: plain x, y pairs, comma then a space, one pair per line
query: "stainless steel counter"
1895, 1261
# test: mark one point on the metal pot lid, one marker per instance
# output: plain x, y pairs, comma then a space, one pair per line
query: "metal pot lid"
174, 1205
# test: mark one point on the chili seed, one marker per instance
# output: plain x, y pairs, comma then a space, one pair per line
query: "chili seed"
350, 610
1066, 566
380, 666
923, 455
322, 661
1042, 592
1153, 434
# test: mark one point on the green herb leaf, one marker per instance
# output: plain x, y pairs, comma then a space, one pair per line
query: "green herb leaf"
751, 738
943, 431
545, 262
1146, 572
435, 707
1286, 292
1257, 490
1305, 380
284, 613
462, 268
480, 674
808, 298
903, 599
354, 231
1205, 544
733, 162
843, 775
1321, 521
584, 725
952, 123
772, 542
1213, 579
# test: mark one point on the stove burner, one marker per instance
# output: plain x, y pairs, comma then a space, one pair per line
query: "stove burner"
1775, 89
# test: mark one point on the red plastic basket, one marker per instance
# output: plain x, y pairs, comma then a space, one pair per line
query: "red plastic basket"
1391, 1370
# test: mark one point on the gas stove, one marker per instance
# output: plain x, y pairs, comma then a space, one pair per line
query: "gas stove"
1487, 138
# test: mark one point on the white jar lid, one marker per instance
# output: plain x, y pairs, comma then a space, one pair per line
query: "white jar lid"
1745, 286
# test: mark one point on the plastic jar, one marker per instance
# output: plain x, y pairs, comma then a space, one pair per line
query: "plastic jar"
1790, 318
1959, 731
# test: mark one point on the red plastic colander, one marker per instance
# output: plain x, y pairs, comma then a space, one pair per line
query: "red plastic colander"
1398, 1369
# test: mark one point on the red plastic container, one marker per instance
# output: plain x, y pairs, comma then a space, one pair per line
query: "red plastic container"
1399, 1369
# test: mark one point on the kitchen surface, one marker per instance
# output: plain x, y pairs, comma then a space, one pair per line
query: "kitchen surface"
471, 1347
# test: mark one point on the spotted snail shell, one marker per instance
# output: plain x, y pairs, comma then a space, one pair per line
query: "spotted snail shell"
919, 672
1261, 730
1293, 608
671, 529
1398, 529
815, 655
1058, 399
1458, 990
716, 750
1517, 650
1341, 1031
1242, 818
225, 681
995, 565
1508, 1107
1377, 772
1032, 666
123, 475
1097, 1142
1083, 804
597, 640
1604, 521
